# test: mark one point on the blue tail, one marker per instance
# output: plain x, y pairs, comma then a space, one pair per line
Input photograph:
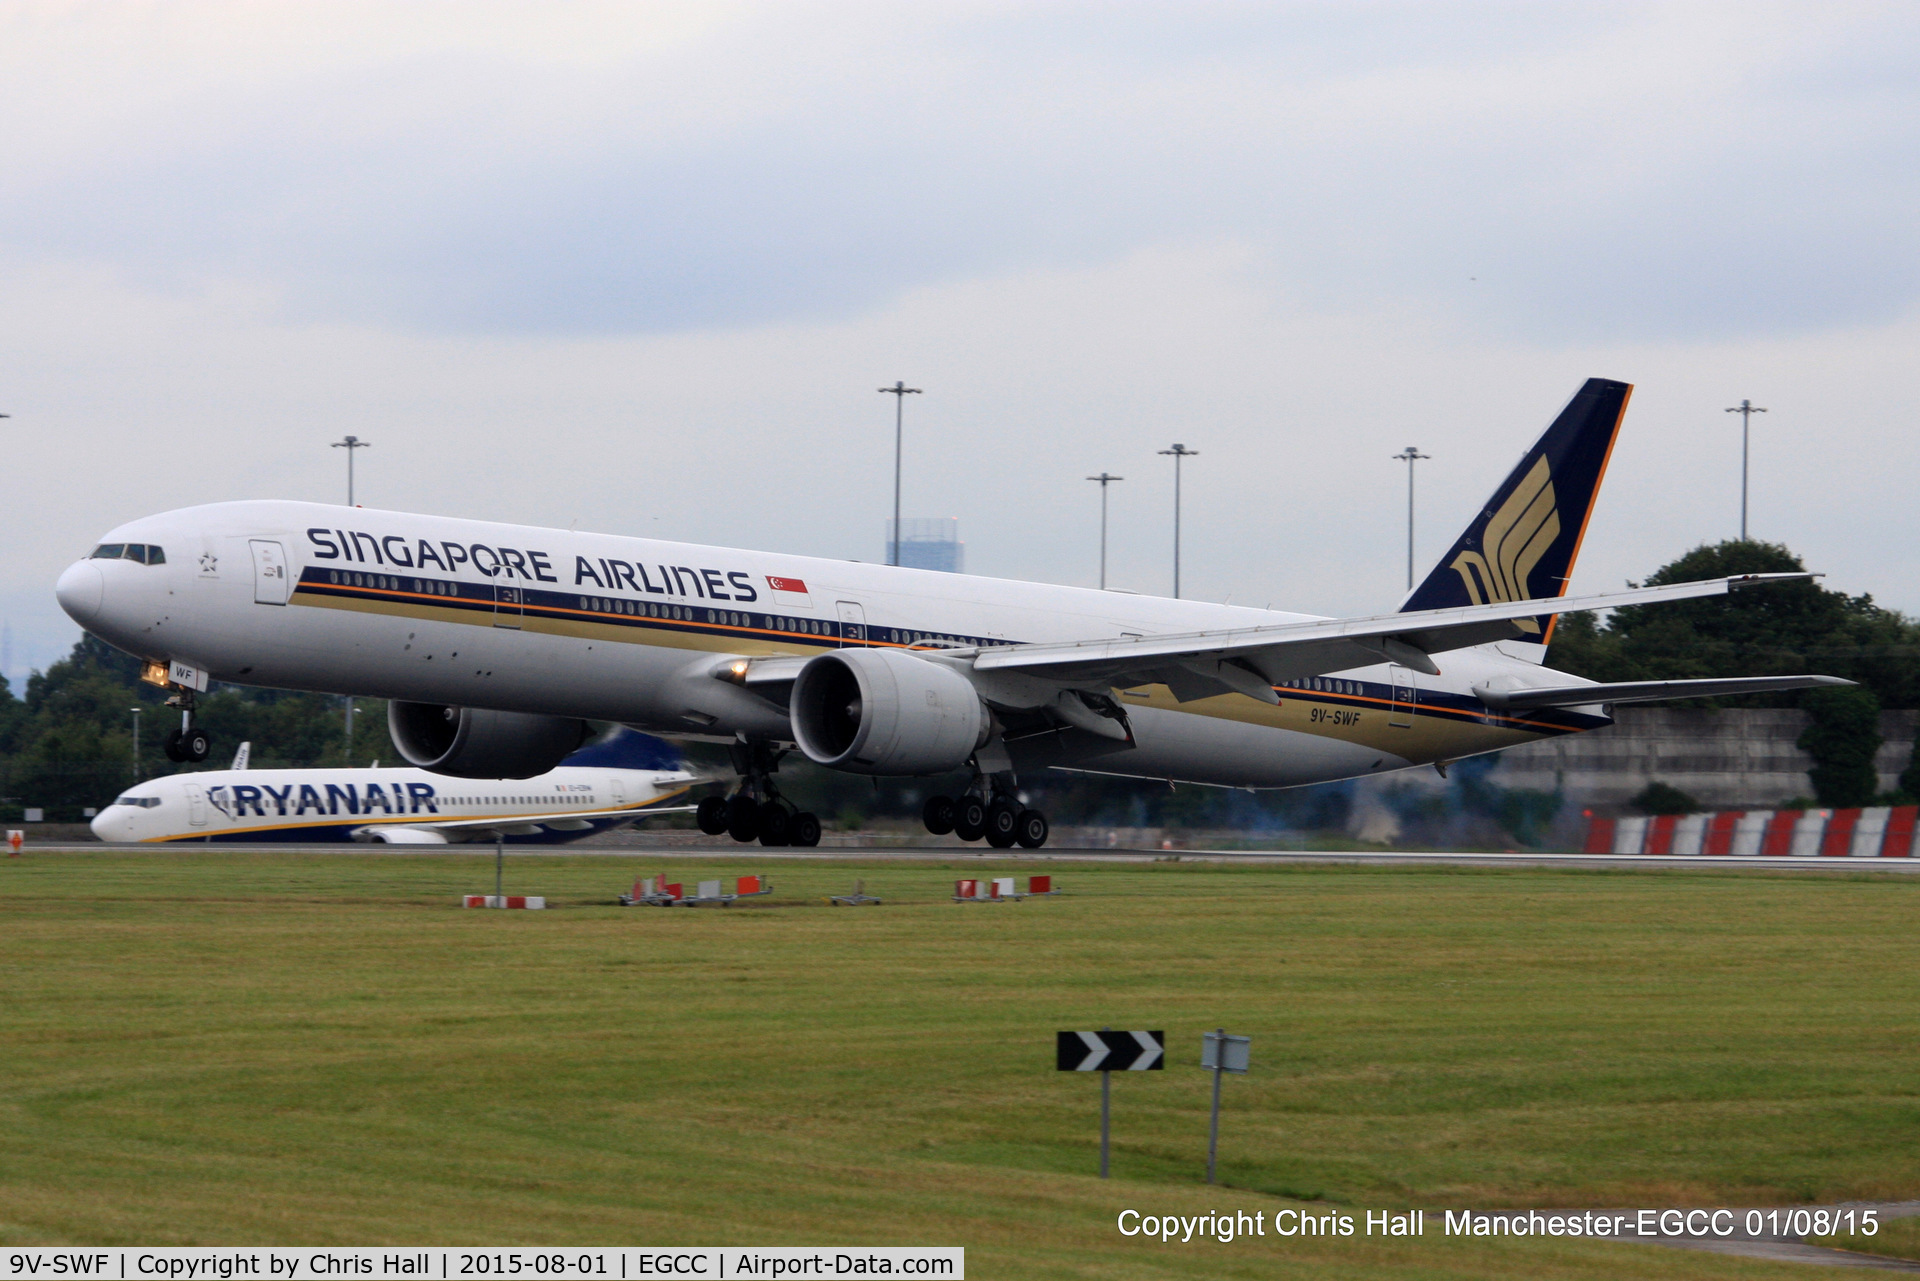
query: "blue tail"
1523, 544
628, 749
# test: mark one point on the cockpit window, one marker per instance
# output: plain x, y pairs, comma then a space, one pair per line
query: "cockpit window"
143, 802
145, 553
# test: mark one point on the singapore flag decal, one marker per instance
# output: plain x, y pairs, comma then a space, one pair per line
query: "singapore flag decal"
791, 592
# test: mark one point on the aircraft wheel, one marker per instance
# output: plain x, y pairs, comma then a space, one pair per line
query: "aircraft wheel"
1030, 829
172, 746
938, 815
774, 824
803, 829
969, 818
196, 745
711, 815
743, 818
1003, 824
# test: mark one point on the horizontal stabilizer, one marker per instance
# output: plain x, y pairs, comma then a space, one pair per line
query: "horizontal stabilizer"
1646, 691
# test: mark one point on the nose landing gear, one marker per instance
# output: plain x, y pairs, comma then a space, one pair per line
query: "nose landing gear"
188, 743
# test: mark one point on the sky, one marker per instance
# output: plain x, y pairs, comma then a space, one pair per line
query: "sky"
642, 268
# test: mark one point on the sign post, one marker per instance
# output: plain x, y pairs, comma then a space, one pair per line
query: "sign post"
1221, 1053
1107, 1052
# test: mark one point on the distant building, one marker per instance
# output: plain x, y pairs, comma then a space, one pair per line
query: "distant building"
930, 544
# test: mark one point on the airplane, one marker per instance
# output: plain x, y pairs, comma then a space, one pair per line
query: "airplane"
495, 643
622, 779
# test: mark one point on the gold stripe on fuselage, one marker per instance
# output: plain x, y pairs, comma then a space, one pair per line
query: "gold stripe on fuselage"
1436, 733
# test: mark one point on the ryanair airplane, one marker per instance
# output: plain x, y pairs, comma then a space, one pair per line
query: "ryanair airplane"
621, 780
496, 643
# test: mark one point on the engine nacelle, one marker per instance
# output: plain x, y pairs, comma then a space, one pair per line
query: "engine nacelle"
470, 742
879, 711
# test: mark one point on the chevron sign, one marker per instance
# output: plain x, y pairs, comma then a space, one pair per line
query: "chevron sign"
1112, 1051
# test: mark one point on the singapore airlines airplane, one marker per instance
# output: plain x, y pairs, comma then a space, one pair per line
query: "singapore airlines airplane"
626, 778
497, 642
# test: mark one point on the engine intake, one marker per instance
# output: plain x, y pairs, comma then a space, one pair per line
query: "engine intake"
878, 711
470, 742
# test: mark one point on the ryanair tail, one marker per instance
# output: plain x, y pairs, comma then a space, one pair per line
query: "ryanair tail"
1523, 544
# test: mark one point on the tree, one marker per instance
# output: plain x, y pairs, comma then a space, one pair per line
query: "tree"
1842, 739
1782, 630
69, 744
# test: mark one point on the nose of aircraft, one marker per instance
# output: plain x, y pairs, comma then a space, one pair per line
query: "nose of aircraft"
109, 826
80, 591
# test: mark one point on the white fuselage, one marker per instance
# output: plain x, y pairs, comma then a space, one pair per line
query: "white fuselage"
473, 613
405, 806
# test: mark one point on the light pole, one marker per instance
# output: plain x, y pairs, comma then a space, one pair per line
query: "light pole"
1104, 480
1409, 456
136, 744
1746, 409
899, 391
1178, 452
350, 444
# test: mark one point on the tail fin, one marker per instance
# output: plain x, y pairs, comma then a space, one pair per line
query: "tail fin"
628, 749
1523, 544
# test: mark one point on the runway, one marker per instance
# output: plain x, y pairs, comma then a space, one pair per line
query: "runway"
968, 853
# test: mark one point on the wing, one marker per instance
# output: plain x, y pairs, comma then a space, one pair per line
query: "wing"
1646, 691
1252, 660
506, 824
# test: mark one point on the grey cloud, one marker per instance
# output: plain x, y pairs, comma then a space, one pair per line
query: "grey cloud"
477, 195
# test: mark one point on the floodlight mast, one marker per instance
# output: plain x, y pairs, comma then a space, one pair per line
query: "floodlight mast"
899, 391
1746, 409
350, 444
1178, 453
1104, 480
1409, 456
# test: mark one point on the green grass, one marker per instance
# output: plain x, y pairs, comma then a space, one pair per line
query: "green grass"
1899, 1238
198, 1046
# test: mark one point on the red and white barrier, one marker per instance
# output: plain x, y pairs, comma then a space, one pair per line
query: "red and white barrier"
1001, 890
1877, 831
658, 891
532, 903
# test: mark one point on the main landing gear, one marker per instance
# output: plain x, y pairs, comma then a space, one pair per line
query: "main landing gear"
990, 809
757, 811
188, 743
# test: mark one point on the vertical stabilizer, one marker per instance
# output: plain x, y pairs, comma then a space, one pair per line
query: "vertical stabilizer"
1523, 543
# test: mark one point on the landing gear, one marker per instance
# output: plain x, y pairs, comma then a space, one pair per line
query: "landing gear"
938, 815
1031, 829
188, 743
1002, 816
711, 815
991, 809
757, 811
969, 818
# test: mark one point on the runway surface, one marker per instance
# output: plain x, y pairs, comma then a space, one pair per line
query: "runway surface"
948, 854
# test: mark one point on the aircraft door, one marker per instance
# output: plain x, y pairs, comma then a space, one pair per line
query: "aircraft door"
269, 572
853, 624
509, 604
196, 806
1401, 714
617, 790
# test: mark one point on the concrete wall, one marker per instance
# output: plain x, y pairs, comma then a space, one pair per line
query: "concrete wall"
1723, 759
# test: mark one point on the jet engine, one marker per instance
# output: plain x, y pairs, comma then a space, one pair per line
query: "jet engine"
470, 742
879, 711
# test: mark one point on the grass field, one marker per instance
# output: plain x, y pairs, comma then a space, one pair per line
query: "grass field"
203, 1047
